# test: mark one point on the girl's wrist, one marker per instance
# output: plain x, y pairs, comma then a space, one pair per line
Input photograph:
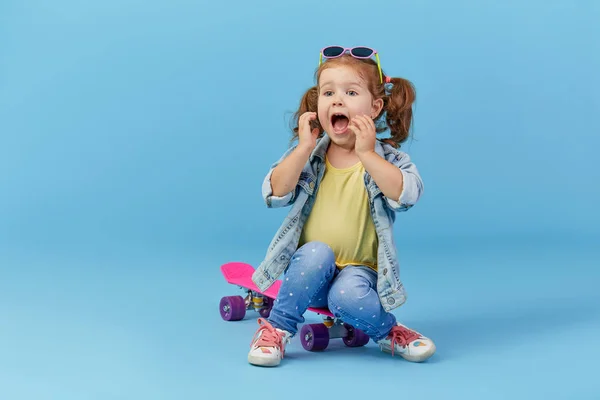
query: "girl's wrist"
305, 149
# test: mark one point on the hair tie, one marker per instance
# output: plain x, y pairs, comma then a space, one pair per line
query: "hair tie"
388, 79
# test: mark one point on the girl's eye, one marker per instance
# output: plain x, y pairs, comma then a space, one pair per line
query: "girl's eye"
327, 93
352, 93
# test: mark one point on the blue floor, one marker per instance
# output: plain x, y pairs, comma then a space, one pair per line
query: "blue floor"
134, 140
516, 319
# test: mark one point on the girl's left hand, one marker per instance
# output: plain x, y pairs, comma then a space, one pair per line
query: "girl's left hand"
364, 129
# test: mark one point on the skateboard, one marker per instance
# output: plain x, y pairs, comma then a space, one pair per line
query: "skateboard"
314, 337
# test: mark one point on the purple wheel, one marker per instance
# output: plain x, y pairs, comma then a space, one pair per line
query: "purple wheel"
233, 308
356, 337
314, 337
268, 305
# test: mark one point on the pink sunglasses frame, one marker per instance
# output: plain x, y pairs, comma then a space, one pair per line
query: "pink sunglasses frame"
349, 50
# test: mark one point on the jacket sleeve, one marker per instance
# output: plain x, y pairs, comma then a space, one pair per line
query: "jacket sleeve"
271, 200
412, 188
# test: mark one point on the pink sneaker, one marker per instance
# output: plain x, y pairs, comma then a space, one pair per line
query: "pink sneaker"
411, 345
268, 345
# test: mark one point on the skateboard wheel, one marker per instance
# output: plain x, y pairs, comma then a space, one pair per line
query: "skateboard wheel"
314, 337
232, 308
356, 337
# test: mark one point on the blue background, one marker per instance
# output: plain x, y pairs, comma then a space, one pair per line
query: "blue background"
134, 137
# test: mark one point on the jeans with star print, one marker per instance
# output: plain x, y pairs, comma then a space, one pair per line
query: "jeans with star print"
313, 280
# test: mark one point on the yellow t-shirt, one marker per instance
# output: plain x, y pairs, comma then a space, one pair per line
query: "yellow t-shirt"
342, 219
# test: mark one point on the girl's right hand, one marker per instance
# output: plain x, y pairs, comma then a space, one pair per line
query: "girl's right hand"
307, 138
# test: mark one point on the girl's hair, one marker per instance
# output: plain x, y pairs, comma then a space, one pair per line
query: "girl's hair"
398, 97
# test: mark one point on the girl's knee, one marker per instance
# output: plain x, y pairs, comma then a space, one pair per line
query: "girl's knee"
351, 298
316, 247
313, 260
317, 253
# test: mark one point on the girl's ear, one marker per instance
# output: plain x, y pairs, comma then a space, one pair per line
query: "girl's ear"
376, 108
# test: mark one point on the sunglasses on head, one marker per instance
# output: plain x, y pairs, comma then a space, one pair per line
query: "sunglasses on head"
356, 52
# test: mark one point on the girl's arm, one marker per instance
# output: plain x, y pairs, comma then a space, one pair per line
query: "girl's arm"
285, 175
397, 177
386, 175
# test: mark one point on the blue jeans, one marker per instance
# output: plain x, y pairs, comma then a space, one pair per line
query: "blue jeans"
313, 280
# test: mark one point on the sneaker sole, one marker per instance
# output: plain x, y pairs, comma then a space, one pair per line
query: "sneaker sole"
262, 361
408, 357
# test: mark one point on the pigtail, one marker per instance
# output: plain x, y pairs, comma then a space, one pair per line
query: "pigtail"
399, 110
309, 102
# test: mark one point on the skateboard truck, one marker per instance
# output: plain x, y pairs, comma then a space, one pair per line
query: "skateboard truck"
315, 337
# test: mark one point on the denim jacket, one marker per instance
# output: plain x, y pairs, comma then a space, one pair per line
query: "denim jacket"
285, 242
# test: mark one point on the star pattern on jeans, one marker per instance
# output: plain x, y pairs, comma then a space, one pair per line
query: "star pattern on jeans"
307, 274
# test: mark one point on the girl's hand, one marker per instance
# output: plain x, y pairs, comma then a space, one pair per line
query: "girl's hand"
307, 138
364, 130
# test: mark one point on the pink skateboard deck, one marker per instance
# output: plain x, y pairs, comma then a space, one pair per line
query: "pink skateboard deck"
240, 274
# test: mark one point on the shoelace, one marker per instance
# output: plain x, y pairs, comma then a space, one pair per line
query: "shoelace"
401, 335
270, 337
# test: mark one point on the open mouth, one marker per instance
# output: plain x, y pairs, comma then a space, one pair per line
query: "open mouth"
339, 122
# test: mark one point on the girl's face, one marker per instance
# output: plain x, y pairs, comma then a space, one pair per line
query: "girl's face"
343, 95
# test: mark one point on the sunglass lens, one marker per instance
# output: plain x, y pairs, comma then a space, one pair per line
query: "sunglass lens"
362, 52
333, 51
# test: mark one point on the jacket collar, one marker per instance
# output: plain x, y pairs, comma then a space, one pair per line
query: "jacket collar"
323, 143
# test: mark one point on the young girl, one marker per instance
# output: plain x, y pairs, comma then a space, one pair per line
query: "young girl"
344, 187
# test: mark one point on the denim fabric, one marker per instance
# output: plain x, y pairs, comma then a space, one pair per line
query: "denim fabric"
312, 279
383, 210
353, 299
305, 283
